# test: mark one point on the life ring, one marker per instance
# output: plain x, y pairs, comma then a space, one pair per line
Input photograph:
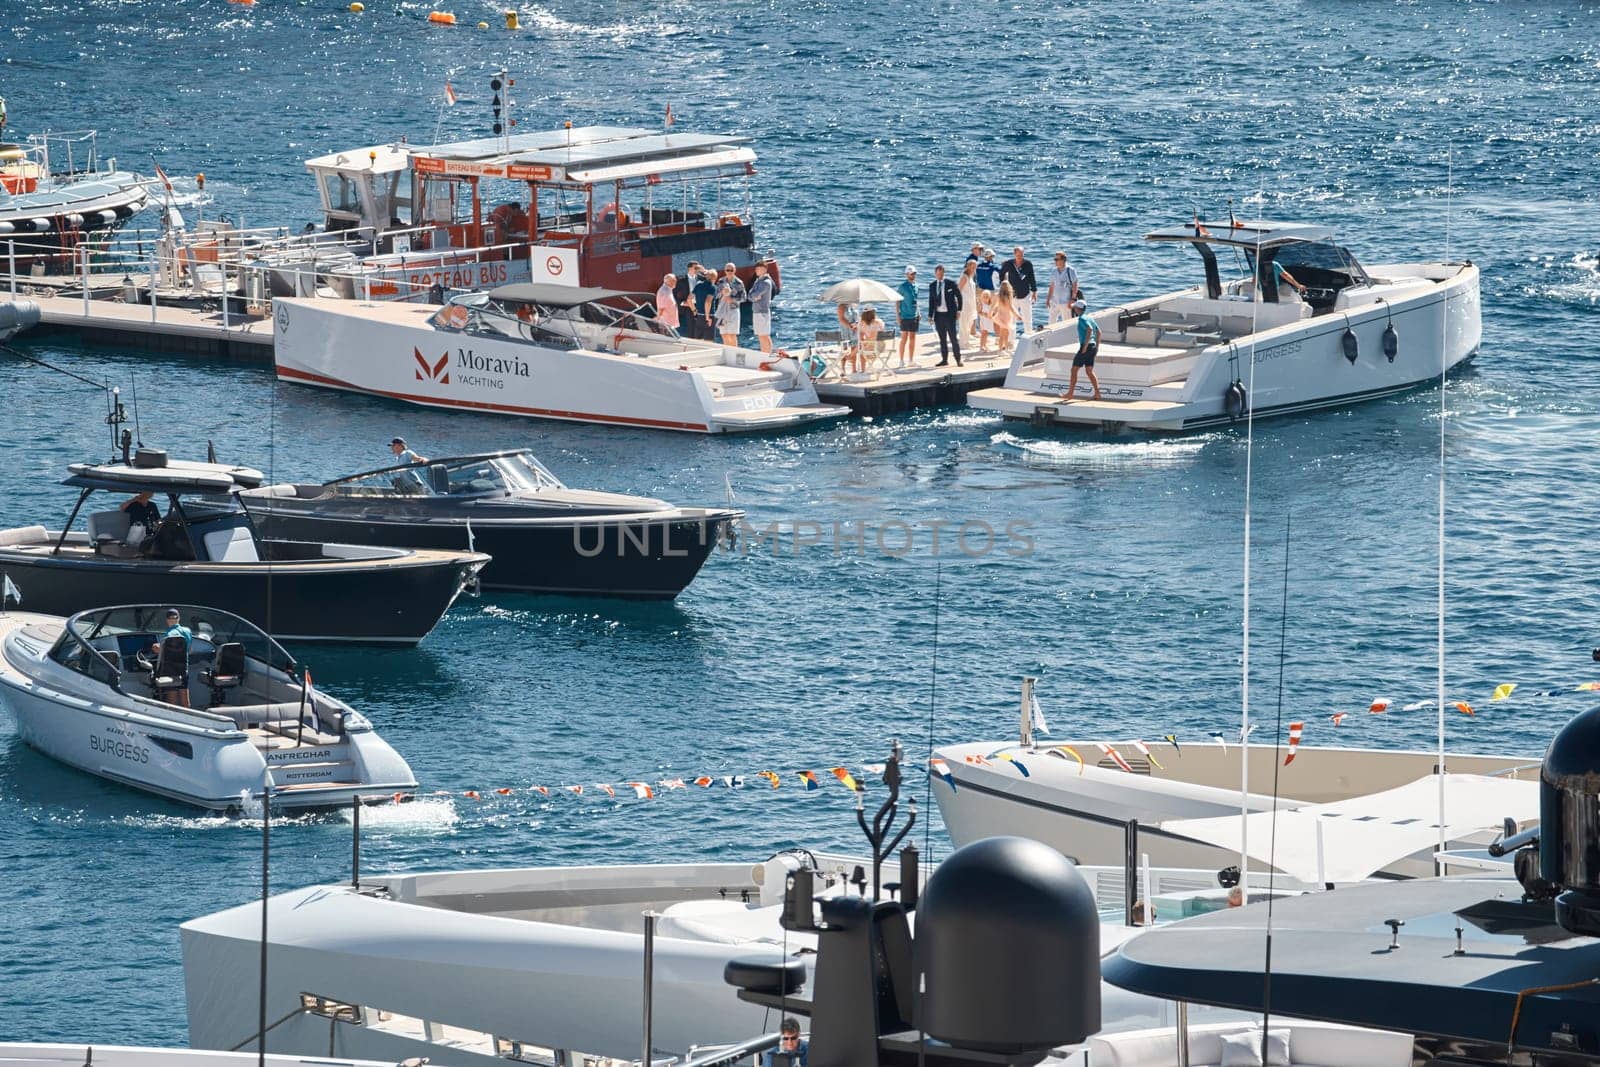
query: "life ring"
729, 219
611, 217
1234, 399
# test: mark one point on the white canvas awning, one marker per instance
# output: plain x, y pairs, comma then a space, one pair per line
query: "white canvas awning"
1364, 834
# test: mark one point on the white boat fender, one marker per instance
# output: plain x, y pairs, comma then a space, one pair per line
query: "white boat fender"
1351, 346
1391, 342
1234, 399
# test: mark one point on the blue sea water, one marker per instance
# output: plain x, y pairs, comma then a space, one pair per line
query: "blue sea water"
888, 134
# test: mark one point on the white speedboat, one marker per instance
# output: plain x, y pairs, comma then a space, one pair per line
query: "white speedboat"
1377, 808
547, 351
1183, 360
211, 727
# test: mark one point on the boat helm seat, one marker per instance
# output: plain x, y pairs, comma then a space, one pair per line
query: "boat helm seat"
226, 671
172, 666
108, 528
439, 479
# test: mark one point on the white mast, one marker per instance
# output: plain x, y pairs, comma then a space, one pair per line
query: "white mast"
1444, 363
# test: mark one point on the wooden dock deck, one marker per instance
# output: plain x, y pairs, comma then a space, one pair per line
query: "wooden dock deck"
925, 385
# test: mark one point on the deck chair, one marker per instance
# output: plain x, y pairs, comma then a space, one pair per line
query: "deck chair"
226, 671
884, 350
172, 667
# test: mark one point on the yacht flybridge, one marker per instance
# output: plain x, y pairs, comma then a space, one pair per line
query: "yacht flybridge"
1333, 332
609, 206
547, 351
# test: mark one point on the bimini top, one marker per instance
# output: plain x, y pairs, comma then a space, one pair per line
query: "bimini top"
176, 476
1241, 234
586, 155
554, 296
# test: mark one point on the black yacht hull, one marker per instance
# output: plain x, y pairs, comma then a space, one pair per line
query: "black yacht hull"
394, 602
633, 557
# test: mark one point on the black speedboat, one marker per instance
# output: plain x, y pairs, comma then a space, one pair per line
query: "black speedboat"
206, 551
543, 536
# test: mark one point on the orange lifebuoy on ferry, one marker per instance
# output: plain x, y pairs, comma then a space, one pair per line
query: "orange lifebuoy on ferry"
729, 219
611, 217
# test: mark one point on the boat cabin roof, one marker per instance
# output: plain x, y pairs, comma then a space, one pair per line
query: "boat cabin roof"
1242, 234
373, 159
589, 154
555, 296
178, 476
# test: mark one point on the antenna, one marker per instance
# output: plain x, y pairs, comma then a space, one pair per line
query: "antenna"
933, 691
1277, 765
1244, 686
138, 435
1444, 363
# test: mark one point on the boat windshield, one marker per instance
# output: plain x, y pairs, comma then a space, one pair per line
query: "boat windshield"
129, 630
514, 472
558, 325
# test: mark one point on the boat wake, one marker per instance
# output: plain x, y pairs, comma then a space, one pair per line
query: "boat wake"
1103, 453
424, 815
545, 19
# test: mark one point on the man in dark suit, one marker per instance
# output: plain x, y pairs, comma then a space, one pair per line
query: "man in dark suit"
688, 326
944, 308
1018, 270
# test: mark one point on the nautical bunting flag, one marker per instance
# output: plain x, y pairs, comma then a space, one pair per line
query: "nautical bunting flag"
667, 122
1009, 758
449, 95
770, 777
1067, 750
847, 779
733, 781
542, 790
1338, 717
164, 179
874, 768
1418, 705
610, 791
9, 593
1172, 739
704, 781
575, 790
939, 768
1379, 705
1244, 735
1295, 729
671, 783
1036, 715
1219, 739
471, 794
1586, 687
1115, 756
503, 791
642, 791
809, 780
975, 758
1145, 749
1463, 707
1503, 691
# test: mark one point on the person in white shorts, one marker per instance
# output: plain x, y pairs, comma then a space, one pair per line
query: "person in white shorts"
1063, 290
761, 307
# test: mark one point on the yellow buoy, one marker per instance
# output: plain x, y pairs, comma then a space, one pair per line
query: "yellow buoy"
358, 7
511, 20
483, 25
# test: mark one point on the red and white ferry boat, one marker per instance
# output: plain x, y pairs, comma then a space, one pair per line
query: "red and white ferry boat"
611, 207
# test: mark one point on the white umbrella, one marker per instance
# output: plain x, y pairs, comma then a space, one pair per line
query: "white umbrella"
858, 291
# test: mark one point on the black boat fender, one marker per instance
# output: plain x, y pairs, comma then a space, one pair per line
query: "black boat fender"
1391, 342
1234, 399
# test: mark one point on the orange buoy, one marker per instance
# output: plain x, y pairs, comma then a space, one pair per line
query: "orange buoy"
441, 18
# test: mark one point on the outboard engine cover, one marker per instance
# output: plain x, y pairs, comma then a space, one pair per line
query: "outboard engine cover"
1008, 946
1569, 822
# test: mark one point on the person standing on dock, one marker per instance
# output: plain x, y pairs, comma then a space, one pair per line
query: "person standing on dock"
1018, 270
968, 284
1063, 290
761, 307
909, 320
988, 272
944, 308
667, 301
1088, 348
730, 294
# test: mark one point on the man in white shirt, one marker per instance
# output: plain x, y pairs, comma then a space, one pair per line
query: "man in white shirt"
1063, 290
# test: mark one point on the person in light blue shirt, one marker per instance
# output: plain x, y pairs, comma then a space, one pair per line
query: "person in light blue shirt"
792, 1048
1088, 348
909, 317
175, 628
402, 454
1280, 276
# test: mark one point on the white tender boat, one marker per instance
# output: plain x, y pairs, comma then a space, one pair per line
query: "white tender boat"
547, 351
1182, 361
94, 691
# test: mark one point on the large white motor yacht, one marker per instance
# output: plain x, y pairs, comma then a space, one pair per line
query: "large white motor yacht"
1331, 333
547, 351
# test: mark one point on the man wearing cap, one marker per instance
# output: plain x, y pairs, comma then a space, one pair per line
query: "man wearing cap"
761, 307
1019, 272
988, 271
976, 255
402, 454
908, 318
1063, 290
1088, 348
944, 308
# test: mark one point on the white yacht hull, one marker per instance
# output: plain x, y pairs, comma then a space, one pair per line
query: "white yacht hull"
391, 350
1086, 815
162, 751
1299, 366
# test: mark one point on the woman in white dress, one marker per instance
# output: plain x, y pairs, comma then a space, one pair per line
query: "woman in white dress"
968, 284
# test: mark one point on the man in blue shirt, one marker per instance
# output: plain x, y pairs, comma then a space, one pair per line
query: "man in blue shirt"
175, 628
791, 1050
988, 271
704, 291
402, 454
909, 318
1088, 348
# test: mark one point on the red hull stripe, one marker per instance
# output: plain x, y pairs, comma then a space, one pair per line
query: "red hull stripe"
513, 409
